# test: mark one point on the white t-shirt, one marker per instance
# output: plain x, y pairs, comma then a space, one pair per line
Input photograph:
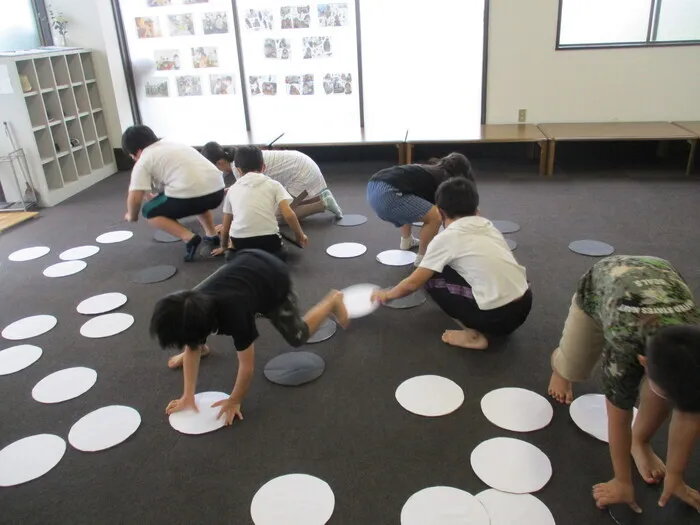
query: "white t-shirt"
253, 201
477, 251
295, 171
177, 170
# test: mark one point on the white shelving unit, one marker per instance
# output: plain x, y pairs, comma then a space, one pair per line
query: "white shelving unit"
59, 123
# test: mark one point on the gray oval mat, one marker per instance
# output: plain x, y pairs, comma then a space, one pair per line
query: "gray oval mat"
511, 244
325, 331
352, 220
506, 226
161, 236
417, 298
591, 248
154, 274
294, 368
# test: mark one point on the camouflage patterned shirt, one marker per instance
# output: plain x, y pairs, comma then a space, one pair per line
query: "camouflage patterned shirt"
631, 297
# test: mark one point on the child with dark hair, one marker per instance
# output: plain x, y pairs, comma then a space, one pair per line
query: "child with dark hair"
638, 315
187, 185
469, 271
405, 194
251, 207
297, 172
226, 303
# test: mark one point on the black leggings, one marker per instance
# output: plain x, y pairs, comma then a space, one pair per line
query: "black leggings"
454, 296
268, 243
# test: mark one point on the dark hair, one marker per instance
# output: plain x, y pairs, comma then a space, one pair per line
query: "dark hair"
183, 319
673, 363
457, 197
137, 138
249, 158
457, 165
214, 152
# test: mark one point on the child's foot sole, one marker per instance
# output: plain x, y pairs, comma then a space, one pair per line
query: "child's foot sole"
175, 362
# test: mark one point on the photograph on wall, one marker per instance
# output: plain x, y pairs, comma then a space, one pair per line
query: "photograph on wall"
188, 2
157, 87
222, 84
167, 59
205, 57
189, 86
317, 47
148, 27
157, 3
263, 85
180, 25
300, 84
295, 17
332, 15
215, 23
256, 19
279, 48
337, 83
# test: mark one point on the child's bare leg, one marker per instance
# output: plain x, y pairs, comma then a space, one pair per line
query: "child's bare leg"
175, 362
653, 411
406, 230
333, 305
172, 227
465, 338
206, 219
431, 225
304, 210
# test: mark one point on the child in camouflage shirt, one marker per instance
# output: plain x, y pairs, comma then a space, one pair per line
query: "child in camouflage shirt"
639, 316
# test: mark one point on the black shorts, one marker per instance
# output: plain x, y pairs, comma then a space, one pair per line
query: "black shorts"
289, 322
268, 243
172, 208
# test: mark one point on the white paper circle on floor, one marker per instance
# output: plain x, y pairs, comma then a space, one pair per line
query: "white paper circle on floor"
294, 499
590, 413
358, 301
345, 250
64, 269
517, 409
18, 358
29, 254
397, 257
430, 395
81, 252
443, 505
191, 422
29, 327
104, 428
106, 325
65, 384
30, 458
514, 509
117, 236
102, 303
511, 465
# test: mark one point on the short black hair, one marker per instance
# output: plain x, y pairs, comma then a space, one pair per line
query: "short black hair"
673, 363
137, 138
214, 152
457, 165
183, 319
249, 158
457, 197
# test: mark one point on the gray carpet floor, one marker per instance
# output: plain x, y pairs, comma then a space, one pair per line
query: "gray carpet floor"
346, 427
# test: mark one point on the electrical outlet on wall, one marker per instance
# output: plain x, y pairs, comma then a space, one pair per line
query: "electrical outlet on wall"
522, 115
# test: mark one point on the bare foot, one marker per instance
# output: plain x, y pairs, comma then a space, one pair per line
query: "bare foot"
339, 311
175, 362
465, 339
560, 389
649, 465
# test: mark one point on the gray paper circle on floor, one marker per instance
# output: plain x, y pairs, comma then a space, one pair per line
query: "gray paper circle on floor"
396, 257
417, 298
106, 325
162, 236
29, 327
80, 252
102, 303
18, 358
294, 368
64, 269
104, 428
154, 274
29, 254
30, 458
352, 220
346, 250
325, 331
591, 248
506, 226
511, 244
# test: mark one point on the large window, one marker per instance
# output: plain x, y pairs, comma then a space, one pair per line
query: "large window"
605, 23
23, 25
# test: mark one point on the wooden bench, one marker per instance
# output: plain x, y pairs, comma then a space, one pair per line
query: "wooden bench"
693, 127
493, 133
610, 131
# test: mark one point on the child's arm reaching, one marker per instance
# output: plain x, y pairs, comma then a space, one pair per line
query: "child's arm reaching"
410, 284
225, 229
190, 370
682, 433
133, 205
231, 407
291, 219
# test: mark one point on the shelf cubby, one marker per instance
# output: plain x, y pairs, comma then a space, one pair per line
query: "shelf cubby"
88, 127
75, 132
44, 73
60, 71
100, 125
52, 106
60, 139
82, 162
75, 68
44, 142
81, 97
106, 149
88, 68
95, 156
94, 94
68, 103
26, 68
53, 175
68, 171
37, 114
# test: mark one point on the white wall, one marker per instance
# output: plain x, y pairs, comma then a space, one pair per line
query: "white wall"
525, 71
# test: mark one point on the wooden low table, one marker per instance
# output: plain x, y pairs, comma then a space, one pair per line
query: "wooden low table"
494, 133
344, 137
693, 127
609, 131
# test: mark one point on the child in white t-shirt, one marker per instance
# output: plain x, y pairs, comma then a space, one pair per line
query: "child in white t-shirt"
251, 207
469, 271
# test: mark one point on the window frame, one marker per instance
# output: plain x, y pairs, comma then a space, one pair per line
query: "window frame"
652, 30
42, 22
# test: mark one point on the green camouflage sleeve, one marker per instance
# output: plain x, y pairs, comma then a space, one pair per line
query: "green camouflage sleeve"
622, 374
